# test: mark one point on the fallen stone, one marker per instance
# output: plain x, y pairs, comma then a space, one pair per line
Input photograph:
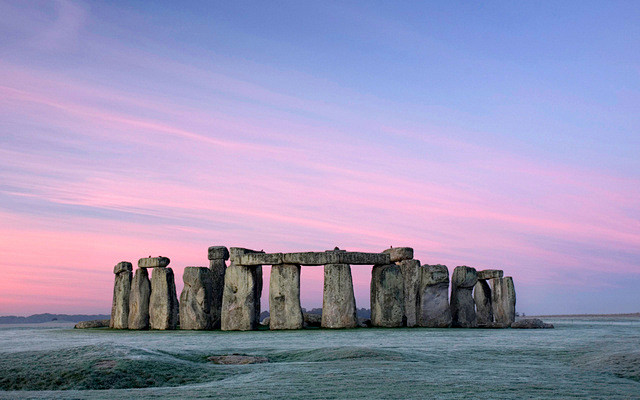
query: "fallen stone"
338, 301
463, 310
284, 297
266, 321
411, 275
490, 274
139, 300
387, 296
218, 253
397, 254
96, 323
531, 323
312, 320
218, 268
364, 323
196, 299
237, 359
482, 298
153, 262
503, 299
163, 304
241, 298
434, 310
122, 266
121, 290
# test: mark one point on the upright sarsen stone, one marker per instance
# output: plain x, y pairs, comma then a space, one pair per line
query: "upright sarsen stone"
241, 298
163, 304
387, 296
121, 290
196, 299
338, 301
411, 275
217, 265
503, 299
139, 300
434, 311
284, 297
482, 298
463, 310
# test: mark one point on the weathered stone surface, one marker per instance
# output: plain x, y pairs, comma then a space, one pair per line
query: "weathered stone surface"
241, 298
235, 253
490, 274
335, 257
163, 304
338, 301
312, 320
387, 296
463, 310
482, 298
260, 259
364, 323
238, 359
122, 266
266, 321
411, 275
153, 262
397, 254
121, 290
139, 300
218, 268
503, 299
434, 311
218, 253
284, 297
96, 323
531, 323
196, 299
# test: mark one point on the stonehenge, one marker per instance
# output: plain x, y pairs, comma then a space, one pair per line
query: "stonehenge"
403, 292
121, 290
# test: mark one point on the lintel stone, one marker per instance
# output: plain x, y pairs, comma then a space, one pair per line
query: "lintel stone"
218, 253
261, 259
122, 266
490, 274
153, 262
399, 253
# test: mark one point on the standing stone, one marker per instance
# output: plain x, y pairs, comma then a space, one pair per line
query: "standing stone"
163, 305
434, 311
503, 300
139, 300
196, 299
411, 275
284, 297
463, 309
218, 266
121, 290
241, 298
387, 296
338, 301
482, 298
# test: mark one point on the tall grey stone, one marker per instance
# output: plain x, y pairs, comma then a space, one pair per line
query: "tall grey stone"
463, 309
139, 300
482, 298
163, 304
196, 299
217, 256
241, 298
434, 311
338, 301
411, 275
284, 297
387, 296
503, 299
121, 290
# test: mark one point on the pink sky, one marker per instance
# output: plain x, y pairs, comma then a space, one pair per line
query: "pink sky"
111, 150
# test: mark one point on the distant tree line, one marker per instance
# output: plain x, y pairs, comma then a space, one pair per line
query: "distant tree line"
40, 318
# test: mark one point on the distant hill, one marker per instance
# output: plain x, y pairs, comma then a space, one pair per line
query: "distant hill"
39, 318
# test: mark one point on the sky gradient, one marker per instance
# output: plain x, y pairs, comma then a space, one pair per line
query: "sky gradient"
499, 135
